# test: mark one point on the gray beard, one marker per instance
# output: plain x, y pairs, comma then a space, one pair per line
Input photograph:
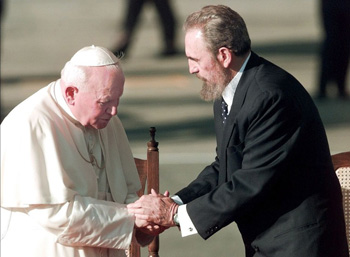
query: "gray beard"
212, 92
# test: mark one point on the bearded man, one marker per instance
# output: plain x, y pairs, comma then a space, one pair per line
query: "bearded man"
273, 173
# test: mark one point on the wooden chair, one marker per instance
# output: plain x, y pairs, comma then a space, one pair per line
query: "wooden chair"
341, 163
149, 176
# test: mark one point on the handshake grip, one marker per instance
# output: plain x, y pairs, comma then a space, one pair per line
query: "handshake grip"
154, 213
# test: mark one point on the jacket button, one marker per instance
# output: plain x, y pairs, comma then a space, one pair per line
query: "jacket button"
256, 249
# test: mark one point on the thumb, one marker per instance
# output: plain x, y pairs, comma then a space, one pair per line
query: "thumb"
153, 192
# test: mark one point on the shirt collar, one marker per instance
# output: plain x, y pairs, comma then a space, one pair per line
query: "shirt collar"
230, 89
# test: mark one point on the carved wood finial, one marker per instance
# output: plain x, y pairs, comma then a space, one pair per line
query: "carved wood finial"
152, 144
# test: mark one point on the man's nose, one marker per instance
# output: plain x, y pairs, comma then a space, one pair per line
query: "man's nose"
113, 110
192, 68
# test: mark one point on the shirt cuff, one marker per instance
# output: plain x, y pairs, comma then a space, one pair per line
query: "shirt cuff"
177, 199
186, 225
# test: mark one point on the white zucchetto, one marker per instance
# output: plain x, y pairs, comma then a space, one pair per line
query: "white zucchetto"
93, 56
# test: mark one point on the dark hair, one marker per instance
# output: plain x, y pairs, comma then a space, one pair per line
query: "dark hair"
221, 27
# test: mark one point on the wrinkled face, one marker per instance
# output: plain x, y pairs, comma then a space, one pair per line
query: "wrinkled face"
205, 65
95, 106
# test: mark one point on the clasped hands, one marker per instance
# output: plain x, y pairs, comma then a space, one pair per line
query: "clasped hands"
154, 212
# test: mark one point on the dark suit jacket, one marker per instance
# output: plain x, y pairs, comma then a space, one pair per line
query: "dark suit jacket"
273, 173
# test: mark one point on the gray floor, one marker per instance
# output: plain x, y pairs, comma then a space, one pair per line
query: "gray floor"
39, 36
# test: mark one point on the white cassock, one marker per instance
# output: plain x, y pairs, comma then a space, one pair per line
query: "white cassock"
64, 187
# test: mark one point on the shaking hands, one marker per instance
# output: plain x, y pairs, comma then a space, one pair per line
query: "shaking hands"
154, 212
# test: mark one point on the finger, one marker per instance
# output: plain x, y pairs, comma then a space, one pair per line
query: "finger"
166, 193
153, 192
137, 211
142, 216
135, 205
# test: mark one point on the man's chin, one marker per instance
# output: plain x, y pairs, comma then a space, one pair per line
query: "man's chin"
210, 93
101, 124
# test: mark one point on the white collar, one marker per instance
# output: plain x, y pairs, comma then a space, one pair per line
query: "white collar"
230, 89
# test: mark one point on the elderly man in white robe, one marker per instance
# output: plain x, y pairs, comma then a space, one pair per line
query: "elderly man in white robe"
67, 171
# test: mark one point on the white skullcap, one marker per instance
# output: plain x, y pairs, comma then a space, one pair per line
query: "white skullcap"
94, 56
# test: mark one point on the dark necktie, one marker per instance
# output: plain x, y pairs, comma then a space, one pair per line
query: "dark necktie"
224, 110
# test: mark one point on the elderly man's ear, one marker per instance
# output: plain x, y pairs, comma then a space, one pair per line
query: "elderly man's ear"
70, 94
224, 56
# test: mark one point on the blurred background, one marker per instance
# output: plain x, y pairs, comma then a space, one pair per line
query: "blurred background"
39, 36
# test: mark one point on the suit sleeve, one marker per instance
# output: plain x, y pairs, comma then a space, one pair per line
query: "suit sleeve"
203, 184
268, 131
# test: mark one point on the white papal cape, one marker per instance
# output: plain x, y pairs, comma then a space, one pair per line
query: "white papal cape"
49, 192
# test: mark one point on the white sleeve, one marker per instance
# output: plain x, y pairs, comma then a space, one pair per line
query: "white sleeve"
186, 225
87, 222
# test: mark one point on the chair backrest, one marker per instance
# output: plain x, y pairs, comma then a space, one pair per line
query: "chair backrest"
341, 163
149, 176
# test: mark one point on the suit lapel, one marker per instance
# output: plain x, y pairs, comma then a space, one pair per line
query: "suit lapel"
219, 126
238, 101
239, 97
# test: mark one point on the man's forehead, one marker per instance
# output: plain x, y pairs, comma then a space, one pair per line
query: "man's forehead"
198, 33
194, 33
194, 43
109, 93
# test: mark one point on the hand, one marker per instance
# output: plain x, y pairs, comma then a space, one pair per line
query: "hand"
153, 230
154, 209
